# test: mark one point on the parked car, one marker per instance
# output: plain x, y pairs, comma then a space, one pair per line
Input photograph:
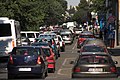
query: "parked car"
27, 61
86, 35
50, 57
94, 64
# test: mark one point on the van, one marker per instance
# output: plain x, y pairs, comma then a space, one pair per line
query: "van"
30, 34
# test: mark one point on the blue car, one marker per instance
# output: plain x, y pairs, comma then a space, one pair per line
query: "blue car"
51, 42
27, 61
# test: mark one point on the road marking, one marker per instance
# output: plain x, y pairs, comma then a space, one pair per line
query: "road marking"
66, 60
59, 71
74, 45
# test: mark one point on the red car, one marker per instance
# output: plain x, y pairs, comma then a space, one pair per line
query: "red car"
50, 58
83, 37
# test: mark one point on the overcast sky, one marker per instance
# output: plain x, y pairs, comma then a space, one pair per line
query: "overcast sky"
73, 2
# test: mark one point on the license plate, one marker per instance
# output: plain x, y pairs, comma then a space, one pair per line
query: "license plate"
24, 69
95, 70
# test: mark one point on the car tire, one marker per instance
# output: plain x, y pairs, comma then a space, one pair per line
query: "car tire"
62, 49
43, 75
53, 70
11, 76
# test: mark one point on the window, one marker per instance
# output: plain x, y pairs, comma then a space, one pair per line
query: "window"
26, 51
46, 51
5, 30
94, 59
93, 49
30, 35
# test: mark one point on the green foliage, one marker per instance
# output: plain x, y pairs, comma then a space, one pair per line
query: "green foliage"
85, 8
33, 13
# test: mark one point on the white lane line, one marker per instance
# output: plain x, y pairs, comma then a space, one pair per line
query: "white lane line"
59, 71
74, 45
66, 61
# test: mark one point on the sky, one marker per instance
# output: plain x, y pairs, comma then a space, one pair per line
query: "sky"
73, 2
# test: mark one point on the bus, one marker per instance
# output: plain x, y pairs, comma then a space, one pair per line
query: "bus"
9, 35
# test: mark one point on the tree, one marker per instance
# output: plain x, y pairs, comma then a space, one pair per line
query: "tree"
33, 13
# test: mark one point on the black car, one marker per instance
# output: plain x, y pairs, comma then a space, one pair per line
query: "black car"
27, 61
97, 64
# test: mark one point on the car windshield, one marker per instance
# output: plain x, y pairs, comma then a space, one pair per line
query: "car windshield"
26, 51
93, 49
94, 59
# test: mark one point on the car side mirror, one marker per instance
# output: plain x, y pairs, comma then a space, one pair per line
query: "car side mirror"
115, 62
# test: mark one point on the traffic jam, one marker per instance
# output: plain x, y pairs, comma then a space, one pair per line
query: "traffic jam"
89, 57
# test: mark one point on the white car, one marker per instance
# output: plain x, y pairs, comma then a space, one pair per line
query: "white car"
60, 43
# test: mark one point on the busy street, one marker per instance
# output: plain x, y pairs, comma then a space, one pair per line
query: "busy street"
60, 39
63, 66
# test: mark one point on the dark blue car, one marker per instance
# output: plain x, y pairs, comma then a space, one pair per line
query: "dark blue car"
27, 61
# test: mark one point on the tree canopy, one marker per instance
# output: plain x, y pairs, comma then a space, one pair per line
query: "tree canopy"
85, 8
33, 13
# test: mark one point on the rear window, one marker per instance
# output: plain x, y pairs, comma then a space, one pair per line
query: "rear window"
94, 59
86, 36
26, 51
40, 44
46, 51
93, 49
30, 35
5, 30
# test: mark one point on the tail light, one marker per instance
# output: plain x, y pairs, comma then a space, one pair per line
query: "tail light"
113, 69
52, 42
13, 44
77, 69
63, 43
11, 60
39, 60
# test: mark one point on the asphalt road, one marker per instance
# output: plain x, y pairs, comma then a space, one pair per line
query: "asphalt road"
63, 66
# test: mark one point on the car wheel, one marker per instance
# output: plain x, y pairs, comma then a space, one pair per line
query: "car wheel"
11, 76
62, 49
43, 75
46, 73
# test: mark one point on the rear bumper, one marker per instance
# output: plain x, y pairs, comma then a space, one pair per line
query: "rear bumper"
66, 42
34, 70
51, 64
78, 75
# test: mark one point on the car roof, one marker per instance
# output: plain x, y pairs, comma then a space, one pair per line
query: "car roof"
27, 47
97, 42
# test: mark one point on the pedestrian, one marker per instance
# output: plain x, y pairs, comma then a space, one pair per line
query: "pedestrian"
111, 27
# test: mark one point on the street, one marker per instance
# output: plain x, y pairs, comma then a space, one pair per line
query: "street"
63, 66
